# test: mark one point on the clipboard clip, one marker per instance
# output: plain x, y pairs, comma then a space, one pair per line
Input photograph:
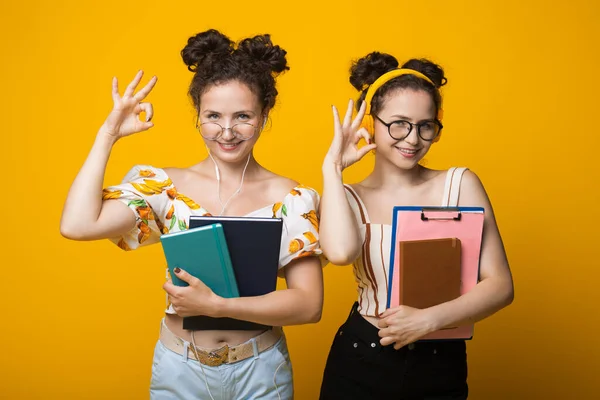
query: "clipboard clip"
456, 214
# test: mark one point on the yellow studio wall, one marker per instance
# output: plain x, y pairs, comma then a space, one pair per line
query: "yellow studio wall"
81, 319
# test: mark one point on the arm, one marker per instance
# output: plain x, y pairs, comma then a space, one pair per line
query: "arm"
300, 303
339, 231
494, 291
85, 216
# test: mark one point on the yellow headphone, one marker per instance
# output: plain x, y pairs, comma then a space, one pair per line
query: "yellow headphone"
367, 121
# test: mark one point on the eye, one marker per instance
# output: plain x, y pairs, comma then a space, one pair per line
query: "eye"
402, 124
427, 126
213, 116
243, 117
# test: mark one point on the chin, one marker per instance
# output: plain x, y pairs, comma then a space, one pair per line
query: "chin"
406, 164
403, 162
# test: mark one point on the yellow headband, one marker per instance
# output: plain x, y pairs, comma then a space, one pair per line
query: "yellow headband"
388, 76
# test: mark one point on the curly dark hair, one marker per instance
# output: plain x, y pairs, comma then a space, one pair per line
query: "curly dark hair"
215, 59
366, 70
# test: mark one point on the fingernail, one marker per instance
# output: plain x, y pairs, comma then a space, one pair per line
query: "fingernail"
177, 270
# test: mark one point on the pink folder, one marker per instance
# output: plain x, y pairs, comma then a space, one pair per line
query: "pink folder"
419, 223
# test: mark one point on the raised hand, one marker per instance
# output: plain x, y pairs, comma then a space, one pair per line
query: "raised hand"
124, 119
344, 150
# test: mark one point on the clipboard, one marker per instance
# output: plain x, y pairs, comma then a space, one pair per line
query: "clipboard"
421, 223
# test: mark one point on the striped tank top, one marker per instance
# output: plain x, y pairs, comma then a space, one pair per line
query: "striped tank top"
371, 268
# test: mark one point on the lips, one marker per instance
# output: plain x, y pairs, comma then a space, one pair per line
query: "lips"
228, 146
407, 153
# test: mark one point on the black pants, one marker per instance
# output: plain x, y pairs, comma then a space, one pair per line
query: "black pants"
358, 367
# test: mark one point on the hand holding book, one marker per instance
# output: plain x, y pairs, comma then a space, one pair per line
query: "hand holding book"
402, 325
194, 299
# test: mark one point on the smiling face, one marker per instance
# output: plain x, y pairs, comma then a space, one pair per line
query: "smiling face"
234, 107
415, 106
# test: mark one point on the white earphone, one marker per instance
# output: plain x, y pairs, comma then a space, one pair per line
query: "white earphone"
218, 173
216, 170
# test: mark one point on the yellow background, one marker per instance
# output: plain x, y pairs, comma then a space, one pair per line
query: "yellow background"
80, 319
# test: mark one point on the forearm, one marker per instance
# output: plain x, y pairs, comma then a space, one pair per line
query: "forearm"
339, 234
485, 299
278, 308
84, 200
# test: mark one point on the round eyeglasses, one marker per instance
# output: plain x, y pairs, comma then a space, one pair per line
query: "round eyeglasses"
400, 129
213, 130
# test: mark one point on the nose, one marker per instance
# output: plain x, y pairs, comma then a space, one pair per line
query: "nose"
228, 134
413, 137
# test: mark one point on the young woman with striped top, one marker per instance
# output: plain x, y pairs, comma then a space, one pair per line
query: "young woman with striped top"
376, 353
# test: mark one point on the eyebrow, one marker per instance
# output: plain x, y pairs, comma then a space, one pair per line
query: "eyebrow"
237, 112
397, 117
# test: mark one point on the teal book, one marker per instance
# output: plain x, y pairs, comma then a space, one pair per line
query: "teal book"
203, 253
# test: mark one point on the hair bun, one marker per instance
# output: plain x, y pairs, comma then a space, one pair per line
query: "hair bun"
204, 46
261, 51
366, 70
429, 69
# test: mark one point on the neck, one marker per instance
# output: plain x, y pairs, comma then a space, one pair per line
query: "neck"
228, 172
389, 176
232, 172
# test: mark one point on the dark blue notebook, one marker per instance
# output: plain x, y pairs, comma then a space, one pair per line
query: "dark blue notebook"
254, 245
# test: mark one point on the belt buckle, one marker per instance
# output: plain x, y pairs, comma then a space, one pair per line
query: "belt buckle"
216, 357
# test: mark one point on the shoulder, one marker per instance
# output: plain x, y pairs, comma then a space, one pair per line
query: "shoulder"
357, 188
472, 191
304, 197
295, 199
281, 188
471, 183
354, 192
183, 174
143, 182
144, 171
282, 183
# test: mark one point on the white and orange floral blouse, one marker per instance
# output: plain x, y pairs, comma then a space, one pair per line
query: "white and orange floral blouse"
159, 208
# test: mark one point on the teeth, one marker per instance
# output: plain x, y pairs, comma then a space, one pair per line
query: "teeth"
408, 151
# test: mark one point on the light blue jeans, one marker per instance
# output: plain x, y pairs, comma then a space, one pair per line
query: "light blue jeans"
267, 375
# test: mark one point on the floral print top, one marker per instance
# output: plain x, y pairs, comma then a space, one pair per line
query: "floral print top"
159, 208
